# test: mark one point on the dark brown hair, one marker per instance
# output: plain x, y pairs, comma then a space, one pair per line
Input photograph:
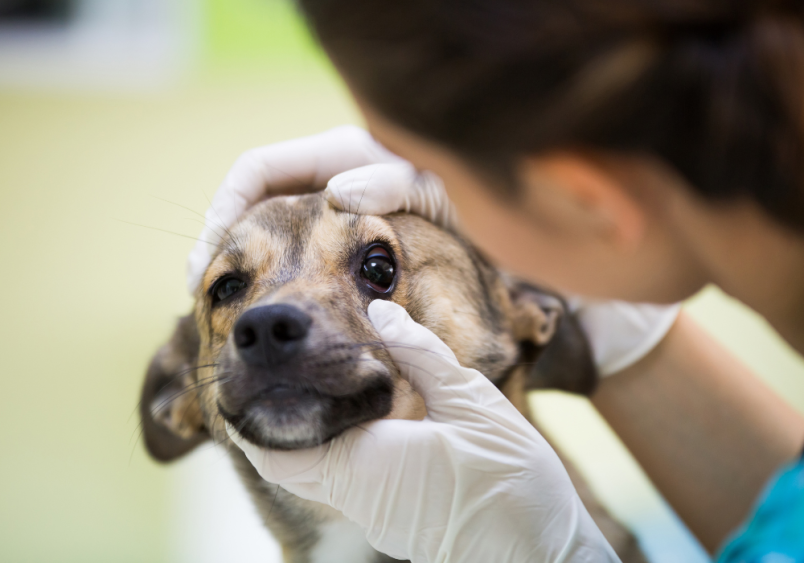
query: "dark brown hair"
714, 88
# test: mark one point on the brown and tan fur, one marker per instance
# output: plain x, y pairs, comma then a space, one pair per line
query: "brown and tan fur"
300, 252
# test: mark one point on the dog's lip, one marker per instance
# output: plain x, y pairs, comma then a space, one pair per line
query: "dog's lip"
275, 396
286, 395
353, 402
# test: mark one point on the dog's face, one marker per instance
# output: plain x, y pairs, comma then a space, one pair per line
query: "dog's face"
280, 344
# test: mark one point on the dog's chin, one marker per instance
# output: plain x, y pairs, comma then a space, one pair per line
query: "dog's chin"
293, 419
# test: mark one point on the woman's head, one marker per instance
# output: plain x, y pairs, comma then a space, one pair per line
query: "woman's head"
709, 92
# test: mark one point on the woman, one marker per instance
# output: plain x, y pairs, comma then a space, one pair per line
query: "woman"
639, 150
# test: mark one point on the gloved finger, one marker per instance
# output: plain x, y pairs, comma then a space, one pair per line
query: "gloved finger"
379, 189
328, 473
304, 164
295, 166
449, 391
287, 468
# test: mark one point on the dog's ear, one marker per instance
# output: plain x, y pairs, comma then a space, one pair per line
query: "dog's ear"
172, 423
552, 345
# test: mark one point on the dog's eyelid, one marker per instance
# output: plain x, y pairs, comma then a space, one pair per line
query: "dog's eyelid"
378, 250
214, 283
383, 243
217, 280
222, 290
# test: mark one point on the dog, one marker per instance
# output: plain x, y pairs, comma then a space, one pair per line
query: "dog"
279, 344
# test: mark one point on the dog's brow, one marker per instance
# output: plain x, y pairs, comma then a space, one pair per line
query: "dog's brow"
229, 258
236, 257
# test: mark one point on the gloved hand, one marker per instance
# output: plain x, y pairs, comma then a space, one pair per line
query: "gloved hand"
620, 333
472, 483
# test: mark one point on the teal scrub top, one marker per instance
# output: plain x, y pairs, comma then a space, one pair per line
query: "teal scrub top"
775, 531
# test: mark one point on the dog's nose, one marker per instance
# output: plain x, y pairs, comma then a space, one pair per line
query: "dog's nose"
271, 334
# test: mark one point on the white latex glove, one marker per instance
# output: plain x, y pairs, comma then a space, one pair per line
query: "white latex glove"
472, 483
299, 165
620, 333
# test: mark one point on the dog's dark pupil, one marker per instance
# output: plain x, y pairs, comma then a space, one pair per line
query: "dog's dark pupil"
379, 271
230, 287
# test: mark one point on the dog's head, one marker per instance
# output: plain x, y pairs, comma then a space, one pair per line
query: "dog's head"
280, 344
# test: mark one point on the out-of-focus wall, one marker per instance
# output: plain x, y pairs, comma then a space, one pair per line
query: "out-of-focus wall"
93, 175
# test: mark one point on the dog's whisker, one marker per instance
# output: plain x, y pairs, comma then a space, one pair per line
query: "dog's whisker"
276, 494
155, 412
366, 430
222, 223
166, 231
184, 372
194, 387
191, 210
217, 233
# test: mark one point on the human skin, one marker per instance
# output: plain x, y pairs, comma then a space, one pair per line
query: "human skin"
705, 429
707, 432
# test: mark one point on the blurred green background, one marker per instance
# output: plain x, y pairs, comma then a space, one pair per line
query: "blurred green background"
92, 283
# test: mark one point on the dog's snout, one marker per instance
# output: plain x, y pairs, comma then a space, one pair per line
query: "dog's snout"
271, 334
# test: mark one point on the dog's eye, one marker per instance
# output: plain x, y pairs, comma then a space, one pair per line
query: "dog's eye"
225, 287
378, 269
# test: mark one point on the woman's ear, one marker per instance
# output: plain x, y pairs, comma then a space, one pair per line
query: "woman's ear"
172, 423
551, 341
585, 195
